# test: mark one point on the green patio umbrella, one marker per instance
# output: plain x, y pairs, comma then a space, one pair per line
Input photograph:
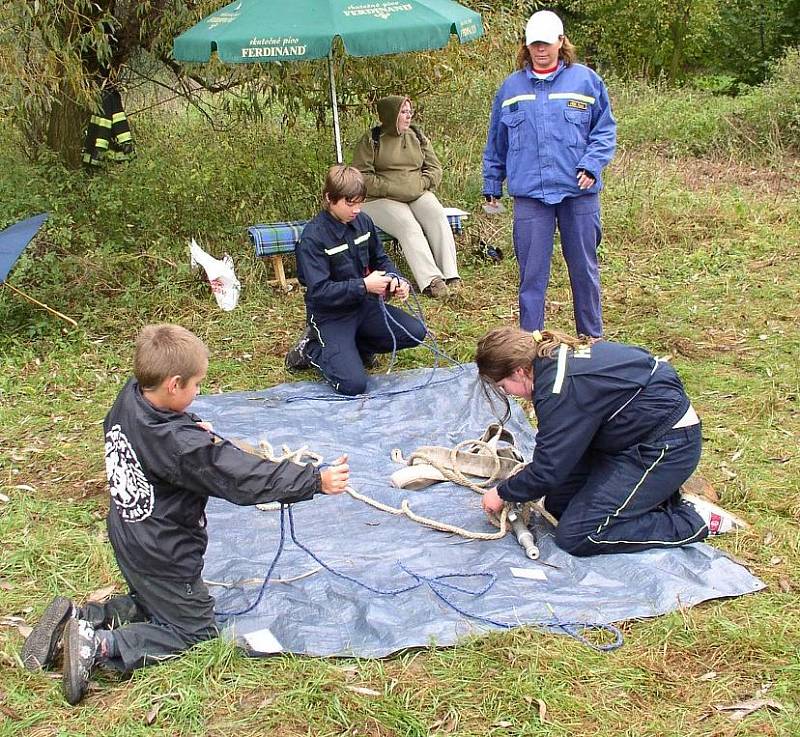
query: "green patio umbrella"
257, 31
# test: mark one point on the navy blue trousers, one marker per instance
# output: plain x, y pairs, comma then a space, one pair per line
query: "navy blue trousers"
628, 501
343, 340
578, 220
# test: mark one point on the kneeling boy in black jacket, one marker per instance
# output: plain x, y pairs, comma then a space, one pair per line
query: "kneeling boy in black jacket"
163, 464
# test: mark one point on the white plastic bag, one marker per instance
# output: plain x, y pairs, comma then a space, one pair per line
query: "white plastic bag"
221, 277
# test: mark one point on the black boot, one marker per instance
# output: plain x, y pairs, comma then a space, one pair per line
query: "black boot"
44, 641
80, 656
296, 358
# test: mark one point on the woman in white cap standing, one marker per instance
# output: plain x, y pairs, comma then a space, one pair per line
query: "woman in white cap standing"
551, 135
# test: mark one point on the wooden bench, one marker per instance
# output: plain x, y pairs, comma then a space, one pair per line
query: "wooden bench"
273, 241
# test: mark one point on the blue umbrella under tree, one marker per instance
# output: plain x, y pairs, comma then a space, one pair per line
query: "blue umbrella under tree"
261, 31
13, 241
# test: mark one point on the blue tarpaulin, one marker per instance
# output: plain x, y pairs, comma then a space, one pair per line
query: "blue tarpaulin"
453, 587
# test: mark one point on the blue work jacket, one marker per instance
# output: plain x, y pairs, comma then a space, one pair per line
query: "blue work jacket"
542, 131
602, 398
334, 257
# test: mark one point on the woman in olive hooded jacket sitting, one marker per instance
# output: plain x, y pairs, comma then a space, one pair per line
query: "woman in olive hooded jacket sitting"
401, 171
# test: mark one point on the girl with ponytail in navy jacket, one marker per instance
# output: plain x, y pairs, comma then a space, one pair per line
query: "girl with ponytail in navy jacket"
617, 436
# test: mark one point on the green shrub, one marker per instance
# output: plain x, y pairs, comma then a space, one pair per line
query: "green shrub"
770, 114
760, 124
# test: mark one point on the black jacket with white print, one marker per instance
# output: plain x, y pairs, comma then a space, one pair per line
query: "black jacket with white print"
162, 467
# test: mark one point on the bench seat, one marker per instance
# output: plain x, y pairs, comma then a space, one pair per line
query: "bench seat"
274, 240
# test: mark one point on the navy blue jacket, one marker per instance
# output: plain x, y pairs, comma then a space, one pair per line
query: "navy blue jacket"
334, 257
604, 398
162, 467
542, 131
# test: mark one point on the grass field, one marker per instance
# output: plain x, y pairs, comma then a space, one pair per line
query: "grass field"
700, 261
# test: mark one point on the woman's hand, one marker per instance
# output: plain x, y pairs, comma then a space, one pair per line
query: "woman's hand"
585, 180
336, 477
492, 206
491, 502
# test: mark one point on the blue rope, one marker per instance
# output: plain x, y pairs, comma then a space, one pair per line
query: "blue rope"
389, 320
435, 583
264, 584
417, 313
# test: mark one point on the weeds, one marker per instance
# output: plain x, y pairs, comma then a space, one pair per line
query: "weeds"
699, 261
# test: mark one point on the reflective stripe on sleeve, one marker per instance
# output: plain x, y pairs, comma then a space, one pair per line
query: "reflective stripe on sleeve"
562, 368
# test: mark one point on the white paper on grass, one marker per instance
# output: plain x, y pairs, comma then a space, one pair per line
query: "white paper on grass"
221, 277
263, 641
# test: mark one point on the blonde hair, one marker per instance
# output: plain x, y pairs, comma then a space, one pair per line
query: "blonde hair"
167, 350
503, 350
343, 182
566, 53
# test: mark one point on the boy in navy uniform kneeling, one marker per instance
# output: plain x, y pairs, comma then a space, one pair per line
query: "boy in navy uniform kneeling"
162, 463
342, 264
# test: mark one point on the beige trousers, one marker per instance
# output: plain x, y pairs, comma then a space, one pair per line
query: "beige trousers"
424, 234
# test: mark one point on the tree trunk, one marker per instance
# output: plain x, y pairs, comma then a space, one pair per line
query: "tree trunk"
65, 128
678, 30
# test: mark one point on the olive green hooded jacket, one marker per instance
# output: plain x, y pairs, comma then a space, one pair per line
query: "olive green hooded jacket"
401, 167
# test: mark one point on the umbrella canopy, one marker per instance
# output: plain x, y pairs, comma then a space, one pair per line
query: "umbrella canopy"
253, 31
12, 243
14, 239
276, 30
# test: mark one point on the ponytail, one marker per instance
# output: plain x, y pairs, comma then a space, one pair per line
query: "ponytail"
503, 350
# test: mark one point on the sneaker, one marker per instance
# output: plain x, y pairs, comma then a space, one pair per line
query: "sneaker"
296, 359
44, 641
80, 656
437, 289
718, 520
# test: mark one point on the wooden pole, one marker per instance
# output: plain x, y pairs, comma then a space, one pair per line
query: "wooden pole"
41, 304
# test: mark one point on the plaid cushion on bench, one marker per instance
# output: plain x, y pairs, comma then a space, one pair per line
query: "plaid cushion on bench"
272, 239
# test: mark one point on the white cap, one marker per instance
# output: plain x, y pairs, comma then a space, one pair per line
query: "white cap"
544, 26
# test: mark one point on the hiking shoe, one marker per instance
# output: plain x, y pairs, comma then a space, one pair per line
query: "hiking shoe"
80, 656
718, 520
437, 289
44, 641
296, 359
454, 284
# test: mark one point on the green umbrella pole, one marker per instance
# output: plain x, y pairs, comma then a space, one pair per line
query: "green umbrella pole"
336, 133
